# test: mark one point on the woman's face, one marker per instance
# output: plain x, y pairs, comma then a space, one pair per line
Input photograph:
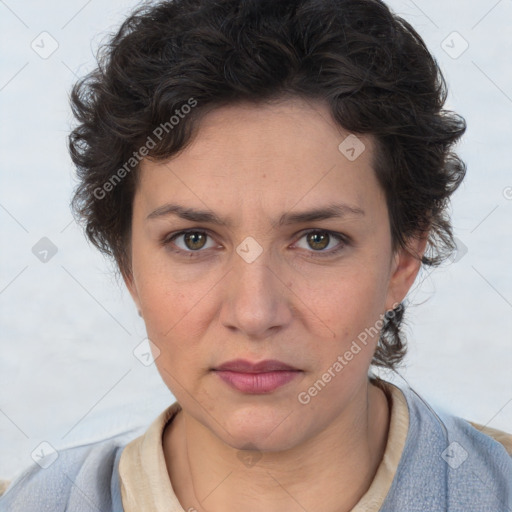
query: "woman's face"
259, 285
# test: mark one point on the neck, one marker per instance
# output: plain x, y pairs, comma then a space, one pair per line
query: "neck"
331, 471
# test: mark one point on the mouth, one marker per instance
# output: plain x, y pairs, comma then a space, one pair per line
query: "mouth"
244, 366
256, 378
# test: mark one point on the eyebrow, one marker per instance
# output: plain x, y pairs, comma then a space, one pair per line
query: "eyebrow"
335, 210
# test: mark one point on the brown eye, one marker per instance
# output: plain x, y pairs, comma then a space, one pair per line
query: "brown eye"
194, 240
318, 240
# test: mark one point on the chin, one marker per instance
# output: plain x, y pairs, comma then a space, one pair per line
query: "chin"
259, 428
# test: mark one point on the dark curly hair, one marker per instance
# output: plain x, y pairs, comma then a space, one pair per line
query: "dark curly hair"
188, 57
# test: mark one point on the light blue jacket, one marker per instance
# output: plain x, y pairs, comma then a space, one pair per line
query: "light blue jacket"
446, 466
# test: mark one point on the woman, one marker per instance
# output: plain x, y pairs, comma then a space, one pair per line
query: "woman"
270, 177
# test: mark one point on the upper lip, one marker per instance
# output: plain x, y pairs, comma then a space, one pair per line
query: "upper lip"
244, 366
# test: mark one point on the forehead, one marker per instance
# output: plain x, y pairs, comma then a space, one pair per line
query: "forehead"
283, 127
268, 155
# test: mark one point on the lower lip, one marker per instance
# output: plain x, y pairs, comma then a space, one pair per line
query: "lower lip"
256, 383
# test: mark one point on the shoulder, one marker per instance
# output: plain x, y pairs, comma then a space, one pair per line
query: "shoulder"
489, 447
504, 438
81, 478
479, 465
444, 427
448, 464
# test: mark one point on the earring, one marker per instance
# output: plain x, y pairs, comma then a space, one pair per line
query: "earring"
390, 313
140, 312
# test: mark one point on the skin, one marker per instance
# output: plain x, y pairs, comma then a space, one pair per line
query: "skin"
252, 164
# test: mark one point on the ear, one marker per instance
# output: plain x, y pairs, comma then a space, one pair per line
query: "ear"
405, 267
129, 281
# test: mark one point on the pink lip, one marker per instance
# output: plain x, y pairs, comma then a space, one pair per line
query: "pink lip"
244, 366
256, 378
257, 383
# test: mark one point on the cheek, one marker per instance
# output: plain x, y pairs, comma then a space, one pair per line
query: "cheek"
346, 302
174, 312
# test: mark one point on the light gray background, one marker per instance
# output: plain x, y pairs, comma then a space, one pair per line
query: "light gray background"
67, 369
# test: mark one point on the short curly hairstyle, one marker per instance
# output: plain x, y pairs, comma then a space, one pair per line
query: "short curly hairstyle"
183, 58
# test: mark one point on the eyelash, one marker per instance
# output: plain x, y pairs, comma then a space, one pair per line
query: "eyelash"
166, 241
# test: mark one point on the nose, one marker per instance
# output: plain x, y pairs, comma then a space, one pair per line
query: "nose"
256, 299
